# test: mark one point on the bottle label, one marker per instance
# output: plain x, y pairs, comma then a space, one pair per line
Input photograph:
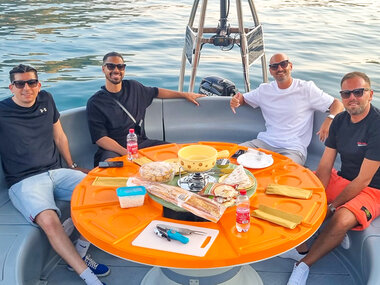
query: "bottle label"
132, 148
242, 215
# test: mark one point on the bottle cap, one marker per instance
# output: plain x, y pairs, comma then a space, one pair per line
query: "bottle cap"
243, 192
132, 130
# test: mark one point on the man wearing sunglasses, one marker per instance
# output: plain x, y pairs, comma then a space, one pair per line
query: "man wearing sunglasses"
353, 193
32, 140
288, 107
109, 122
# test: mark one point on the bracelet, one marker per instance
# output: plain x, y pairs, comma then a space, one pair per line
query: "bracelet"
74, 165
332, 208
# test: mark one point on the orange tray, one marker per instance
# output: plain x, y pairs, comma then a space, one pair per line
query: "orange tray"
98, 217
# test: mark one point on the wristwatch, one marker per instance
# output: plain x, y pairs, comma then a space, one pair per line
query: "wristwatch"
74, 165
331, 116
332, 208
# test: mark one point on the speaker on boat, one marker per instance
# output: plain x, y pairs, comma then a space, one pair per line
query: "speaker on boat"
217, 86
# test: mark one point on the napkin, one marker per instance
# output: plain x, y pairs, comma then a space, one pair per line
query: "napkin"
278, 217
110, 181
288, 191
141, 160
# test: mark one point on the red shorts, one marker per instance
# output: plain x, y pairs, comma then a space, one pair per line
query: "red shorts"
365, 206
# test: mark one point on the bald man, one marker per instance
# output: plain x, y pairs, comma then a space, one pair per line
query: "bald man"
288, 105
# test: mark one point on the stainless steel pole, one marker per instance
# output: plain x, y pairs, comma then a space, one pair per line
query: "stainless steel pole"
243, 46
198, 46
183, 60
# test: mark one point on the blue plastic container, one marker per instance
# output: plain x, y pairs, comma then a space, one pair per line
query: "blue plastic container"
131, 196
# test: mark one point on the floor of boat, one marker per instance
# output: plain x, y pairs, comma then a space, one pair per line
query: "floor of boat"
275, 271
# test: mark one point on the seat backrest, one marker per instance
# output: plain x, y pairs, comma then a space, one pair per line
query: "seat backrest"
212, 120
74, 123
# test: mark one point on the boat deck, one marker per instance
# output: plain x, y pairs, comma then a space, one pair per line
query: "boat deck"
275, 271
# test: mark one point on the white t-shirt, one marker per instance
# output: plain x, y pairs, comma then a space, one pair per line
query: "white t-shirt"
288, 113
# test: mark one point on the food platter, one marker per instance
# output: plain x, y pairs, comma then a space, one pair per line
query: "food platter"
250, 191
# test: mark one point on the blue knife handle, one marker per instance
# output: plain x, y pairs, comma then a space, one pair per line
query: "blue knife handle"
177, 236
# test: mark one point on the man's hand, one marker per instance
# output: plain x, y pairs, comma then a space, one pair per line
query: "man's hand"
192, 97
84, 170
236, 101
324, 130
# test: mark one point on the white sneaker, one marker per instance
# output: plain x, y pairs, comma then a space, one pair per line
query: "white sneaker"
346, 242
299, 274
68, 226
292, 254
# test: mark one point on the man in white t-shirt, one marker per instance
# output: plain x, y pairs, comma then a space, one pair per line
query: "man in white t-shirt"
288, 106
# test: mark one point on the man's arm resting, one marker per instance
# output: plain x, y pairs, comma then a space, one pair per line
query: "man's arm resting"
171, 94
335, 108
110, 144
62, 144
326, 165
367, 171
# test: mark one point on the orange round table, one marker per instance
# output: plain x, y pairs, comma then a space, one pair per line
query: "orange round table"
97, 215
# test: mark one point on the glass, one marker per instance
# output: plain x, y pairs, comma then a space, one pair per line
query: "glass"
358, 92
21, 83
283, 64
112, 66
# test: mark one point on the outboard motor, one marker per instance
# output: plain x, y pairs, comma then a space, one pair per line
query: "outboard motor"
217, 86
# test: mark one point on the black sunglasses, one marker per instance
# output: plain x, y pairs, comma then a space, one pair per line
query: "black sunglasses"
20, 84
358, 92
283, 64
112, 66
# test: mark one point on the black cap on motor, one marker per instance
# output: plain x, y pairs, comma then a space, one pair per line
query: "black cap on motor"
217, 86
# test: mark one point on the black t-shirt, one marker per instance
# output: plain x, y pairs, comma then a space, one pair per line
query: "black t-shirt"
106, 118
27, 146
356, 141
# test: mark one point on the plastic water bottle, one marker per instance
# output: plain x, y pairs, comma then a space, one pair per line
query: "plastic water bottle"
132, 146
242, 212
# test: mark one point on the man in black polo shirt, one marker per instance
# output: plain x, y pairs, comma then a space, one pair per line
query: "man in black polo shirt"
109, 123
32, 139
353, 193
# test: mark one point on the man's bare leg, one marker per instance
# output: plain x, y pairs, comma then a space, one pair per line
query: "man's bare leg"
332, 235
49, 222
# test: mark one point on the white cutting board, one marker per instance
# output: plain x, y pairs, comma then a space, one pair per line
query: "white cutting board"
198, 245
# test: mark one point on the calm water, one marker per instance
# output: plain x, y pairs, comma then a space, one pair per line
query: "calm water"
66, 41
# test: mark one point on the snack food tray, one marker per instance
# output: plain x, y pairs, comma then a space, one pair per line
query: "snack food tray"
174, 182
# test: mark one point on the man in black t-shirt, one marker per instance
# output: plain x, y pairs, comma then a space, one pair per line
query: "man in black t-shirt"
109, 123
353, 193
32, 139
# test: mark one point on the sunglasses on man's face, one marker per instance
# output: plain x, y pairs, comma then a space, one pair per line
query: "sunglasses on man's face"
358, 92
112, 66
283, 64
20, 84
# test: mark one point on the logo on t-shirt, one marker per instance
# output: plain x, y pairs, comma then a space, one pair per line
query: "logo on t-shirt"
362, 144
42, 110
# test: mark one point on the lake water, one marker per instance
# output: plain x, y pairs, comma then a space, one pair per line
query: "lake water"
66, 40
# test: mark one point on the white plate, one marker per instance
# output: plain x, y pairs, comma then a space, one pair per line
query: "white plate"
255, 160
